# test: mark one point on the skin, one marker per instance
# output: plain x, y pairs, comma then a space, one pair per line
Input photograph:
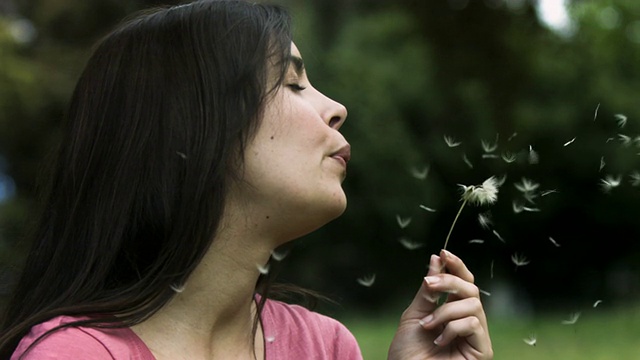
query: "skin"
455, 330
292, 185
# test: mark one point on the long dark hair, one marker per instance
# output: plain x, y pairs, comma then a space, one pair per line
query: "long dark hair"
157, 125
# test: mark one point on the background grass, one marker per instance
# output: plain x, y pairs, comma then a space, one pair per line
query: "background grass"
599, 334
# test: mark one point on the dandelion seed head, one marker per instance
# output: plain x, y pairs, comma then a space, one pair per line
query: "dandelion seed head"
487, 193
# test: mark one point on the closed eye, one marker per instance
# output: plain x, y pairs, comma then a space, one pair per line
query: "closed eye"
296, 87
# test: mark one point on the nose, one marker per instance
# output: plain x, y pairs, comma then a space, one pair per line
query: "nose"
336, 114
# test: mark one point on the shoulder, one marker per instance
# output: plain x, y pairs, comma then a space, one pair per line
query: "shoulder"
306, 333
77, 342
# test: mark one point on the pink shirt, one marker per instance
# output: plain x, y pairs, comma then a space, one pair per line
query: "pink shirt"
291, 332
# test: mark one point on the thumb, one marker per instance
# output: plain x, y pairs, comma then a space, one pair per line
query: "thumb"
425, 301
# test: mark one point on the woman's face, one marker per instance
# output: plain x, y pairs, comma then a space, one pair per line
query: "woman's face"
295, 164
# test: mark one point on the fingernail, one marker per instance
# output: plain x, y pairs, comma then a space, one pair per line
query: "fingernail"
438, 340
446, 254
427, 320
431, 280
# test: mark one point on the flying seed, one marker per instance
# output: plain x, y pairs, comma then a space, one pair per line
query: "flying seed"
533, 156
635, 178
573, 318
554, 242
427, 208
264, 270
451, 142
625, 140
595, 115
489, 147
403, 222
367, 280
485, 220
531, 340
466, 161
476, 241
602, 164
270, 339
177, 288
484, 292
491, 269
519, 260
420, 174
595, 304
569, 142
509, 157
498, 236
512, 136
279, 256
182, 155
547, 192
409, 244
490, 156
621, 120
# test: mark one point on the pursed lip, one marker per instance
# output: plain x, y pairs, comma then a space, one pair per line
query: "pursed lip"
343, 154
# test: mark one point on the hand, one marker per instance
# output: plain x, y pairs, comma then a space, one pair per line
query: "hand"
456, 329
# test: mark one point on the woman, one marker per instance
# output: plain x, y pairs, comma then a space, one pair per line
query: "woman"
195, 146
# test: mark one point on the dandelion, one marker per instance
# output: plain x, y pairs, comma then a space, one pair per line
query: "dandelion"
635, 178
569, 142
509, 157
466, 161
531, 340
263, 269
519, 260
367, 280
554, 242
533, 156
595, 304
621, 120
610, 182
573, 318
409, 244
487, 193
427, 208
595, 115
451, 142
403, 222
485, 220
420, 174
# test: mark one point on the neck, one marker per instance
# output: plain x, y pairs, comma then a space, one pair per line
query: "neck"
215, 311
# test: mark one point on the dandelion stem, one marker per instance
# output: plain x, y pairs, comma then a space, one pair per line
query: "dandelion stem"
454, 224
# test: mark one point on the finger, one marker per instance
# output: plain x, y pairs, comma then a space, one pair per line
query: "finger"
426, 299
473, 333
456, 287
455, 266
469, 307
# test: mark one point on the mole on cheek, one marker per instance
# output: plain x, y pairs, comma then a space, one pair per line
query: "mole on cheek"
267, 217
271, 137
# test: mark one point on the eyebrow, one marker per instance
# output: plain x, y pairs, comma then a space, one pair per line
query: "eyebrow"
298, 64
